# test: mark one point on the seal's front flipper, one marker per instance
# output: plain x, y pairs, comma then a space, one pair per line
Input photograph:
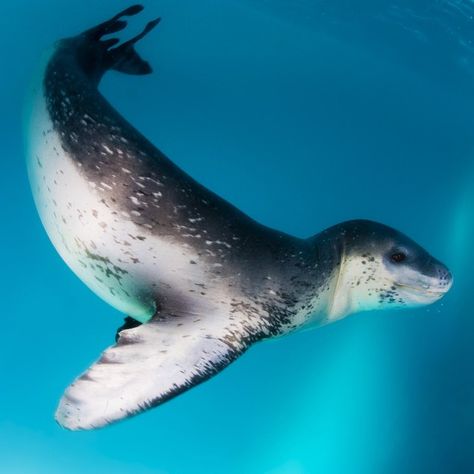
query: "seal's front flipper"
128, 323
151, 364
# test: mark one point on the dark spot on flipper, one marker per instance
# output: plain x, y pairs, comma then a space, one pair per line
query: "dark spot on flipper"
110, 42
129, 323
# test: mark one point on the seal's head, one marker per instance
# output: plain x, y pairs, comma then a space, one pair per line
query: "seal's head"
382, 268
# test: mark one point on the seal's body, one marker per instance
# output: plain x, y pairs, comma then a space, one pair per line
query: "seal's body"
207, 280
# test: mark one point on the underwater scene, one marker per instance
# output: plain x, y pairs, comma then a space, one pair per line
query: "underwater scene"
303, 115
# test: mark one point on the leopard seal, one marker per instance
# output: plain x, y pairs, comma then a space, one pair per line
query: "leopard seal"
199, 280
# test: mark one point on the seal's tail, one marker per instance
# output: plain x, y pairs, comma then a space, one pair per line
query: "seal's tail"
124, 57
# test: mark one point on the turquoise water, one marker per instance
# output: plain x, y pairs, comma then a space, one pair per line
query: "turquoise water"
303, 114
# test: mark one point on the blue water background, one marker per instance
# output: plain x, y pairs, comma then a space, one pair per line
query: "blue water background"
303, 114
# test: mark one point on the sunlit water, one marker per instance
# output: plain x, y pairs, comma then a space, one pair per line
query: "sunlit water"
303, 114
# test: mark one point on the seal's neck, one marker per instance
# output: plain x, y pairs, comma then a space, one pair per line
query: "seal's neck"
342, 302
354, 287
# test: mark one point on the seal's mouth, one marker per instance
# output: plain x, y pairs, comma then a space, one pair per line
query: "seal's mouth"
426, 290
422, 288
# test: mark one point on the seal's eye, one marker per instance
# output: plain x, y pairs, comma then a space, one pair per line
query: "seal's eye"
398, 257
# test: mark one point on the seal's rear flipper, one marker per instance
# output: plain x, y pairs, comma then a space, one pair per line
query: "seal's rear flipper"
151, 364
123, 58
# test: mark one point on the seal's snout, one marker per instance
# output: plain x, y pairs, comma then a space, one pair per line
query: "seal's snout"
445, 278
440, 279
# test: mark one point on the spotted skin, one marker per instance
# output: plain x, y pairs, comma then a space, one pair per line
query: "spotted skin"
207, 280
